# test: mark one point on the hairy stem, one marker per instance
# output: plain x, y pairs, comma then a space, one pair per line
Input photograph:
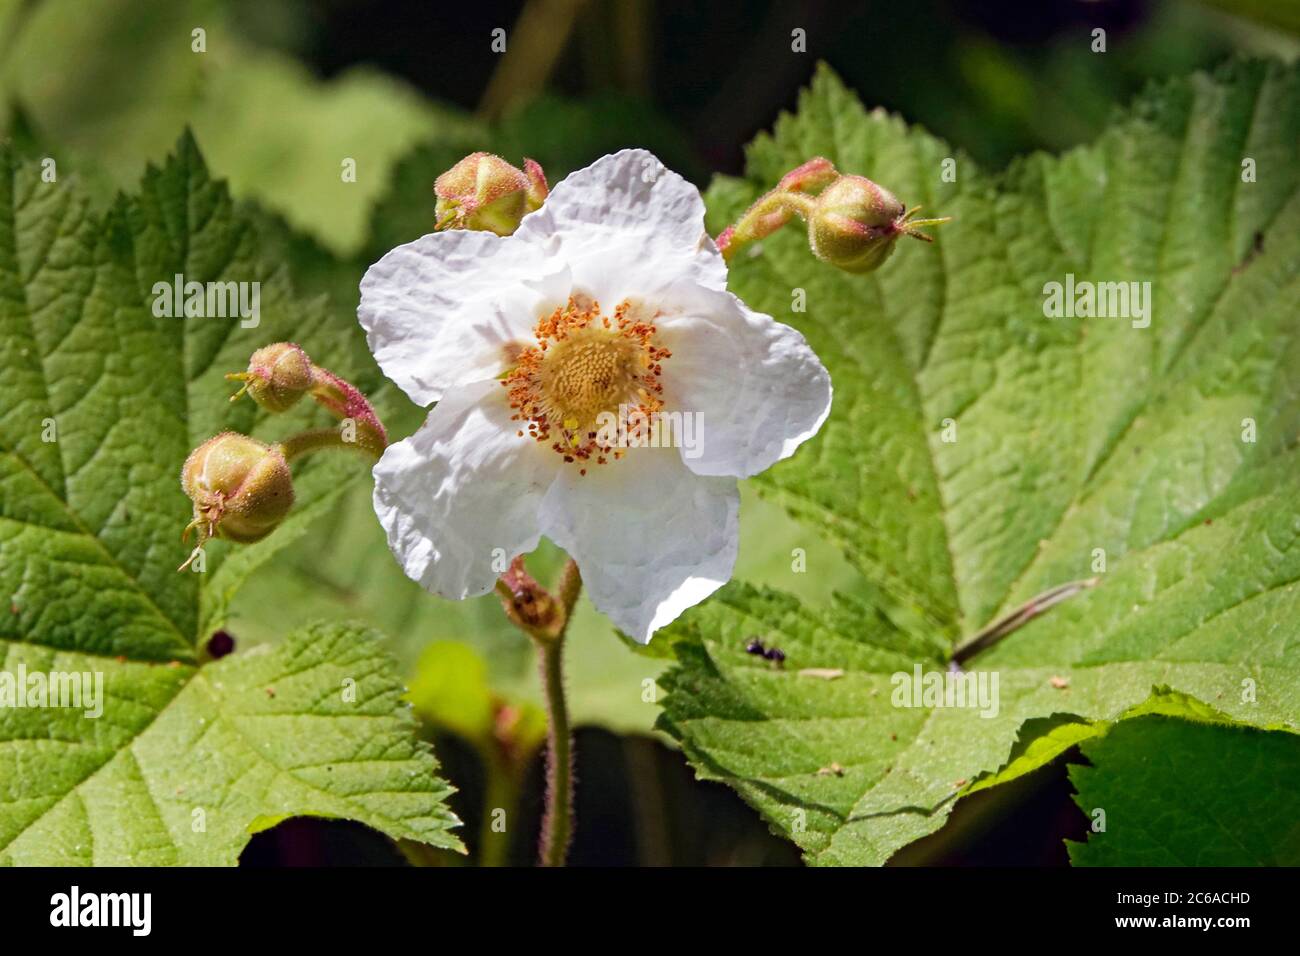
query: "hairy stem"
765, 217
557, 823
362, 439
544, 617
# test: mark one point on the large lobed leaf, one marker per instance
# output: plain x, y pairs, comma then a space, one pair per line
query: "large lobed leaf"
89, 545
1071, 435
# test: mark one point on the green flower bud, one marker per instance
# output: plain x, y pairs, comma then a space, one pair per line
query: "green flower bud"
485, 192
855, 223
241, 488
278, 376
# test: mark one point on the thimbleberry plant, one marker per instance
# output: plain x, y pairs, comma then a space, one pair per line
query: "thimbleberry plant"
1032, 528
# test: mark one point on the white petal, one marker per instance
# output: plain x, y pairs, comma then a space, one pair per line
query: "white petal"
756, 387
650, 537
441, 311
462, 486
625, 224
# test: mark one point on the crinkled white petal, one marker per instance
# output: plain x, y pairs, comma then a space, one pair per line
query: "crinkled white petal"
755, 387
443, 310
461, 487
625, 225
650, 537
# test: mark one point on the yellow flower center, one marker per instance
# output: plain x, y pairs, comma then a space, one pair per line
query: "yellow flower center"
584, 367
590, 372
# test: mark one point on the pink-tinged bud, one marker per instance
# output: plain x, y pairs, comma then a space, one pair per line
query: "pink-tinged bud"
241, 488
278, 376
855, 223
485, 192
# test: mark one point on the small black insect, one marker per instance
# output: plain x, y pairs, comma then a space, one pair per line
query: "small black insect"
773, 654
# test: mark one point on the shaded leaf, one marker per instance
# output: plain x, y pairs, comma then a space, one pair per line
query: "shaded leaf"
1187, 794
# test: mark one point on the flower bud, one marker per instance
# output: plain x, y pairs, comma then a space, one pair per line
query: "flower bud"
485, 192
241, 488
855, 223
278, 376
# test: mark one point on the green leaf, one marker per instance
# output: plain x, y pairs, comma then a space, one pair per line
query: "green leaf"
1185, 794
186, 763
450, 690
100, 402
1043, 740
1072, 435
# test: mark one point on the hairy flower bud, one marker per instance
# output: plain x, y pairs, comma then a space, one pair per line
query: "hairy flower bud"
278, 376
855, 223
485, 192
241, 488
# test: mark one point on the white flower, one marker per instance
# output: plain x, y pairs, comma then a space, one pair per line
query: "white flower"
610, 295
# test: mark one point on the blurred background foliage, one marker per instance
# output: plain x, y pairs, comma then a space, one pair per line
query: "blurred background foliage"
284, 92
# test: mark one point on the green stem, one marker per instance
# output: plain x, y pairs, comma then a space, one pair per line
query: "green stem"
796, 204
545, 617
557, 823
766, 216
363, 440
